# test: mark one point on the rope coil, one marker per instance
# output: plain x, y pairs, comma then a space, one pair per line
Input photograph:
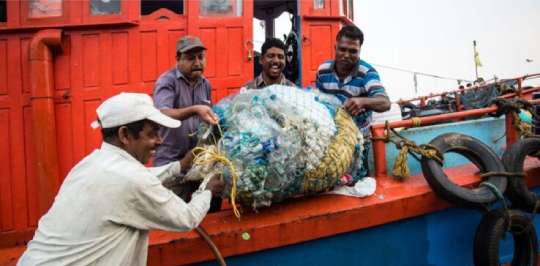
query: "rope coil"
211, 155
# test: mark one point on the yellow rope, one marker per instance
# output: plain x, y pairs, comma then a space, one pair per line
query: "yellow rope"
522, 128
209, 156
401, 168
406, 146
337, 157
416, 121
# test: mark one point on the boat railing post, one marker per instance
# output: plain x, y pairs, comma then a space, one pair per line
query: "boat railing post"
536, 123
458, 101
519, 89
379, 152
511, 133
423, 101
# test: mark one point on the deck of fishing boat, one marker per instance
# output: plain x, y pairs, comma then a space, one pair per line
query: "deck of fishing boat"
302, 219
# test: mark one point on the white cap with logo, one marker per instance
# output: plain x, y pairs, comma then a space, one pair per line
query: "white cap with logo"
125, 108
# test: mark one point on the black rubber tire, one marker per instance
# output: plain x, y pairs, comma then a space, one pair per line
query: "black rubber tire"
492, 229
479, 154
408, 110
513, 159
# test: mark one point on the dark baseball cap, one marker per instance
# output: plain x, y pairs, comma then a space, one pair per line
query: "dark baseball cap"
187, 43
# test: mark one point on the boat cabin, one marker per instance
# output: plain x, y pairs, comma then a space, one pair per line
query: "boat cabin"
59, 59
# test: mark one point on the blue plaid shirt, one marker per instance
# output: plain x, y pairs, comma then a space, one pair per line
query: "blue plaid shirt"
362, 82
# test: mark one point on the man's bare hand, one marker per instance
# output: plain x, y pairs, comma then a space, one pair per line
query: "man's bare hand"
206, 114
216, 184
355, 105
187, 161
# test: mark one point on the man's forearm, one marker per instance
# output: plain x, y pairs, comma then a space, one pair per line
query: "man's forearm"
166, 172
180, 113
378, 104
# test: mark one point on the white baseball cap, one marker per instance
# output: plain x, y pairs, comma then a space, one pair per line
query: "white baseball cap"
125, 108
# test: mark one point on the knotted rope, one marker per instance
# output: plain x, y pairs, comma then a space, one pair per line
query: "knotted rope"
337, 158
514, 106
211, 155
406, 146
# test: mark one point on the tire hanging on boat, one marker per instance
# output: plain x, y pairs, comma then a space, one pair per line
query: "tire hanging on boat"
493, 227
408, 110
513, 159
479, 154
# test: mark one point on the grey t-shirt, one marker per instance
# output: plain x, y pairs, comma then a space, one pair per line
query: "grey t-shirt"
172, 90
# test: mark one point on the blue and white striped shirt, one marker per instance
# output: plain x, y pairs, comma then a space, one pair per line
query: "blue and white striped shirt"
362, 82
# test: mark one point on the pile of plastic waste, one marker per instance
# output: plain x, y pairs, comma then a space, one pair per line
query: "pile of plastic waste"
278, 142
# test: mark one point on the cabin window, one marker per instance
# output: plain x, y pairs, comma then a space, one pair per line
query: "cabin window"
346, 8
149, 6
104, 7
318, 4
3, 11
232, 8
44, 8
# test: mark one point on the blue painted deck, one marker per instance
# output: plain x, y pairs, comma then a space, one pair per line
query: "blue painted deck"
489, 130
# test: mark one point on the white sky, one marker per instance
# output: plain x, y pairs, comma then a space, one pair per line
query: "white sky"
436, 37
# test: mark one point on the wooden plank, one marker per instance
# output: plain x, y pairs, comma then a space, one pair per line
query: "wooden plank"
120, 48
209, 39
62, 71
17, 155
105, 43
64, 135
234, 55
3, 67
173, 35
25, 64
92, 136
149, 54
320, 34
91, 63
6, 195
31, 176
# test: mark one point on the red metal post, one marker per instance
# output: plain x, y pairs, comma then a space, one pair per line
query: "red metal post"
458, 101
379, 151
511, 133
423, 101
43, 114
520, 87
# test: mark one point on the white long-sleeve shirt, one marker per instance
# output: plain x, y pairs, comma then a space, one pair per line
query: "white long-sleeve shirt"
104, 209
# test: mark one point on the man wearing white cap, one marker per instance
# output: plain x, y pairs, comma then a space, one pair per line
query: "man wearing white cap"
110, 200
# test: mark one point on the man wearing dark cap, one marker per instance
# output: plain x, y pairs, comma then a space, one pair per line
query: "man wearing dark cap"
184, 94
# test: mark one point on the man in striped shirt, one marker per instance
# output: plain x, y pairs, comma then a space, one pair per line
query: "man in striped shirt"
357, 85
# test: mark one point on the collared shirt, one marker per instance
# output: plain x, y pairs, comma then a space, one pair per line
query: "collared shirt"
259, 83
363, 81
172, 91
104, 209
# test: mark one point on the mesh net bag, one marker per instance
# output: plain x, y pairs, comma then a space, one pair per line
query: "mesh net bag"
276, 143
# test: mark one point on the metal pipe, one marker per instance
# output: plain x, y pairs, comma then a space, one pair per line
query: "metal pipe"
511, 133
428, 120
378, 131
43, 114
